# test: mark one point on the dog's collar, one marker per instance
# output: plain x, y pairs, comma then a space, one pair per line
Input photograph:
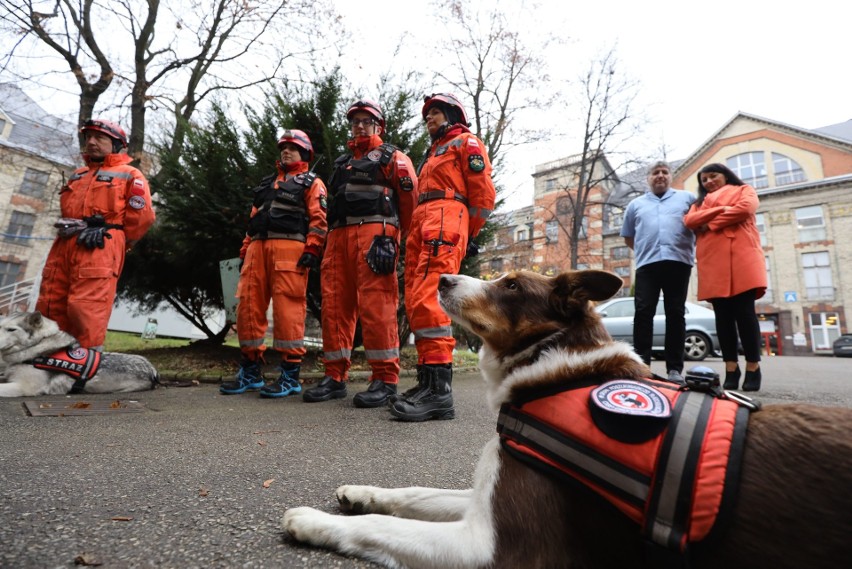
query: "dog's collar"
533, 352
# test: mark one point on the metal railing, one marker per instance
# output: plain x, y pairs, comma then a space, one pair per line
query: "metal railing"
20, 296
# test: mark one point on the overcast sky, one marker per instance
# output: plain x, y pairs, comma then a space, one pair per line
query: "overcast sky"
698, 63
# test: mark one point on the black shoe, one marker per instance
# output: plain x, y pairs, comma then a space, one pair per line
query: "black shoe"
376, 395
250, 376
752, 380
732, 379
433, 401
327, 388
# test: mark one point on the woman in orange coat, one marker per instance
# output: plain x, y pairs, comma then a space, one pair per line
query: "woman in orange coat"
731, 266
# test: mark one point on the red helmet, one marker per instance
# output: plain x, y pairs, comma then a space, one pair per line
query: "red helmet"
368, 106
109, 128
447, 99
300, 139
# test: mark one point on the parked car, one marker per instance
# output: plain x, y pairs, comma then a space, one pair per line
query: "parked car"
701, 339
843, 346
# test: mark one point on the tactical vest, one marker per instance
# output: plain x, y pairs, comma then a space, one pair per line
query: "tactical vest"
359, 191
668, 458
281, 211
81, 364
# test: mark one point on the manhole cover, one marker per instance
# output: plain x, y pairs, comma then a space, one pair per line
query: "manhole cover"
68, 407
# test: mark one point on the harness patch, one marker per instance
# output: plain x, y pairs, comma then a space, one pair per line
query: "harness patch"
627, 397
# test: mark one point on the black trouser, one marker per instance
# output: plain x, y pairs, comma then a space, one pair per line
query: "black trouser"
672, 278
737, 313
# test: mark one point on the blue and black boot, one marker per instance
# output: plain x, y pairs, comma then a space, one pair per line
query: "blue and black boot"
250, 376
286, 384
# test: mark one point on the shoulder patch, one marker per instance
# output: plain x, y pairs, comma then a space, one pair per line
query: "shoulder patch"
374, 155
476, 162
473, 145
136, 202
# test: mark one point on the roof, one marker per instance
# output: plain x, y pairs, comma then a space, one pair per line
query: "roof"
36, 131
841, 130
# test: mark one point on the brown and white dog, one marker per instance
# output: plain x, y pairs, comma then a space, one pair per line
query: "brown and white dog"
794, 504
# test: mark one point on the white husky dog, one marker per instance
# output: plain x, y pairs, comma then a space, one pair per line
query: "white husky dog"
28, 337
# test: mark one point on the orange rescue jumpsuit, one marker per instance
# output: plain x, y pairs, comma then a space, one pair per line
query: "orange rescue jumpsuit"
350, 289
456, 197
270, 269
78, 284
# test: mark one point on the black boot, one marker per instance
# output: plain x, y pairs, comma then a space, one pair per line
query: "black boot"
732, 379
434, 401
421, 384
287, 382
376, 395
327, 388
752, 380
250, 376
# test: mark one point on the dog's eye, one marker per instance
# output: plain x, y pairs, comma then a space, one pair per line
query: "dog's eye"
512, 285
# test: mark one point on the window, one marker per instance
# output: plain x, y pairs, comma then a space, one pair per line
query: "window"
20, 227
751, 169
622, 252
622, 271
825, 329
35, 183
623, 309
584, 228
787, 170
9, 273
496, 265
816, 270
767, 298
550, 184
522, 233
761, 228
551, 231
811, 224
563, 206
616, 218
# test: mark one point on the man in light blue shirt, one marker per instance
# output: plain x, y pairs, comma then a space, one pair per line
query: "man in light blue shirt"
664, 250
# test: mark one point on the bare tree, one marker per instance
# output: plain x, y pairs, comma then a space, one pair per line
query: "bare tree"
497, 71
609, 121
183, 51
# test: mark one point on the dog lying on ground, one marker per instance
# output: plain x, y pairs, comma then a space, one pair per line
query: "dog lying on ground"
28, 338
792, 507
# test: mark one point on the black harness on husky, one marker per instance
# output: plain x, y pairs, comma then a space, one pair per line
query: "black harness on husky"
81, 364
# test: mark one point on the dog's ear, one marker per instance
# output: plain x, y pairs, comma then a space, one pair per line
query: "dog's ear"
571, 290
34, 319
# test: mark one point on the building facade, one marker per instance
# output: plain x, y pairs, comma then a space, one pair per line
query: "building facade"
37, 154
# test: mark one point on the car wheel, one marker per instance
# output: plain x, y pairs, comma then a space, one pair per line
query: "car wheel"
696, 346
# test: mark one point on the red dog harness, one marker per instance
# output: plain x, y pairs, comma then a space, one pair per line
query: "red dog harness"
79, 363
667, 457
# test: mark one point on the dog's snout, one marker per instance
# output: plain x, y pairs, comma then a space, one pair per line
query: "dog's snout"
446, 282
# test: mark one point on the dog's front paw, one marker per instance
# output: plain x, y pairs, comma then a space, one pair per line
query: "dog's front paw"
358, 500
311, 526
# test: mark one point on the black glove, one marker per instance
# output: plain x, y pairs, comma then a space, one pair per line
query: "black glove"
472, 249
381, 257
94, 235
309, 260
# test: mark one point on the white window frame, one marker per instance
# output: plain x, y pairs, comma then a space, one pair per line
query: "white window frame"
810, 222
816, 273
824, 328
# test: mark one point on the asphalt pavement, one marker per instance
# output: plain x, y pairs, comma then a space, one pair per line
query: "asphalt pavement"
199, 479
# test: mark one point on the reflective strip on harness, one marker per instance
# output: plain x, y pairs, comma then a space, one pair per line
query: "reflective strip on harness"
673, 483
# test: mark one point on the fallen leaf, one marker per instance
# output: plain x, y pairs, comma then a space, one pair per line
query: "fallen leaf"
79, 405
268, 483
45, 406
262, 443
115, 405
264, 432
121, 518
87, 559
203, 492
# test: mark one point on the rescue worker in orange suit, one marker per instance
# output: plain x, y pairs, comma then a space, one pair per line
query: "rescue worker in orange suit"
456, 197
106, 208
372, 194
286, 232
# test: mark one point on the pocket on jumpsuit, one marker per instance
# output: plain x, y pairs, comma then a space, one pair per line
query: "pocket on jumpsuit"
290, 279
92, 290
